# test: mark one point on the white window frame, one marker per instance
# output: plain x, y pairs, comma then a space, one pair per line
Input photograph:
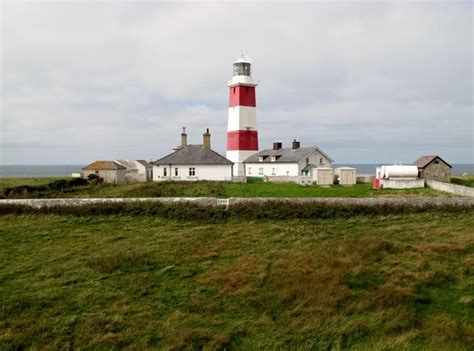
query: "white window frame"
192, 171
176, 172
260, 171
165, 173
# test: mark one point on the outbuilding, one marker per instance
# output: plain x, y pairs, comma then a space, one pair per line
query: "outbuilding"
137, 170
109, 171
323, 176
346, 175
433, 167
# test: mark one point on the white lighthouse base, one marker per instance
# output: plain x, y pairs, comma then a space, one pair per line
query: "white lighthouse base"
238, 156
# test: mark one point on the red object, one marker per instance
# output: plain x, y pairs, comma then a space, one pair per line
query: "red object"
376, 183
242, 140
242, 95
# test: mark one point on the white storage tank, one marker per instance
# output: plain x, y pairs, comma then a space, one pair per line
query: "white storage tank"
399, 171
322, 176
346, 175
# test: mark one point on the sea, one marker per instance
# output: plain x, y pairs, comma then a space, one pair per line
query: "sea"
29, 171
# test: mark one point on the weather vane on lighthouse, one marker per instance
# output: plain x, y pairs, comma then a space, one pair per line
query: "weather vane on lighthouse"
242, 134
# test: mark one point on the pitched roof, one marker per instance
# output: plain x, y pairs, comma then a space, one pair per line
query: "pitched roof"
193, 155
425, 160
144, 163
126, 163
103, 165
285, 155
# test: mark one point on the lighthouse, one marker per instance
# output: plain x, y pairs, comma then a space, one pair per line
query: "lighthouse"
242, 135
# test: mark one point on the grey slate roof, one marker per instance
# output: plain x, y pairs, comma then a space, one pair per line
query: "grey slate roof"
193, 155
425, 160
285, 155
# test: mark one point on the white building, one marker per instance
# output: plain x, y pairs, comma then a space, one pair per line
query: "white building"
289, 164
193, 162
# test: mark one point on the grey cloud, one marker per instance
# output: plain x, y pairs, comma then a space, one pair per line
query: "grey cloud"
365, 81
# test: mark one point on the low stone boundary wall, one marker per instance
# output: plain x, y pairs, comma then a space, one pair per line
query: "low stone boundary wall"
369, 201
209, 201
203, 201
451, 188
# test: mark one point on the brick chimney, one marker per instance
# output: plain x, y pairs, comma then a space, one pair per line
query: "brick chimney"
206, 139
296, 144
277, 145
184, 138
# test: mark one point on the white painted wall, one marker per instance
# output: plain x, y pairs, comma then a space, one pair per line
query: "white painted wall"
202, 172
271, 169
242, 118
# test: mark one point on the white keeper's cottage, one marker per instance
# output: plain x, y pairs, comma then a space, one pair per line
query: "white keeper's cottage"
193, 162
286, 162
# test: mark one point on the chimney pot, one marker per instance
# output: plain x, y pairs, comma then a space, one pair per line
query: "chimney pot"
277, 145
296, 144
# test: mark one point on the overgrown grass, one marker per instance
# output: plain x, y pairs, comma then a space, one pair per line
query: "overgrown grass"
106, 282
467, 180
253, 188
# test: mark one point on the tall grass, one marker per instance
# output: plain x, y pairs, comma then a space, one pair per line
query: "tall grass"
271, 210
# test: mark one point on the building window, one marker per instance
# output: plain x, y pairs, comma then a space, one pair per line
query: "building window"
321, 160
287, 173
250, 170
307, 160
273, 171
260, 171
164, 172
192, 172
176, 172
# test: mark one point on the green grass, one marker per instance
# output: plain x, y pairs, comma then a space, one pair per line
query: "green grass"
11, 182
467, 180
106, 282
215, 189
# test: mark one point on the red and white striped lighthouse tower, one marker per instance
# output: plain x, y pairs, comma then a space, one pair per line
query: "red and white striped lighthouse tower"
242, 135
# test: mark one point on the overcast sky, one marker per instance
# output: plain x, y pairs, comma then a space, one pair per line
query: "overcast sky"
367, 82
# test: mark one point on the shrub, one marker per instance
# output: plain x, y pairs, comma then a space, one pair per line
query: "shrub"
95, 179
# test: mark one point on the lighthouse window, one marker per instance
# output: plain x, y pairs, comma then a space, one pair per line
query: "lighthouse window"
192, 171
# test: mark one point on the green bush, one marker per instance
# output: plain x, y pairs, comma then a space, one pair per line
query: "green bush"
273, 210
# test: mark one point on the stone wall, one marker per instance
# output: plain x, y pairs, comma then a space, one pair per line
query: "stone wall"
203, 201
450, 188
436, 171
209, 201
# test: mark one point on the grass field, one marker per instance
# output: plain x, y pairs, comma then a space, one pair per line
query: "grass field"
206, 188
105, 282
